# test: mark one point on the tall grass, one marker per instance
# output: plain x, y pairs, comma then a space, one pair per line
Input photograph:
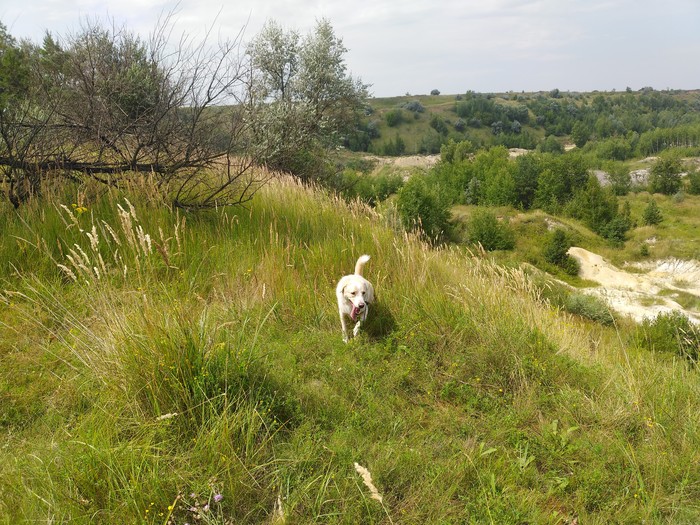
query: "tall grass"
214, 366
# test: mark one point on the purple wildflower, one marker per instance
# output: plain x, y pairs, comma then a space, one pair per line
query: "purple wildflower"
218, 497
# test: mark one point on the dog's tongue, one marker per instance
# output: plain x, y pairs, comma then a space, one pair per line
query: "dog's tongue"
355, 312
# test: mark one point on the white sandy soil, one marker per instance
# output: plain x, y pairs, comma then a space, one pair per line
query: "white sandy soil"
636, 294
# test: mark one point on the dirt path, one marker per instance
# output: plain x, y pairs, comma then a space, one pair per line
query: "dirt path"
638, 294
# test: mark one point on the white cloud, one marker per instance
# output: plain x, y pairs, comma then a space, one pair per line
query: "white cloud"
414, 45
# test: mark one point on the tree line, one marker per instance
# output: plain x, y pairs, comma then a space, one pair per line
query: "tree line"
560, 184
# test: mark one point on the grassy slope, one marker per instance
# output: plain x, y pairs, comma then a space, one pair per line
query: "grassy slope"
468, 400
416, 125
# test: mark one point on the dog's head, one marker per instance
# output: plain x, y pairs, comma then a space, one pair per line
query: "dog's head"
359, 292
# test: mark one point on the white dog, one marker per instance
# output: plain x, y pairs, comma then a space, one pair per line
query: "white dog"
354, 293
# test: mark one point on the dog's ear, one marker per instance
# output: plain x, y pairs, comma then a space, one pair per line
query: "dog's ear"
369, 296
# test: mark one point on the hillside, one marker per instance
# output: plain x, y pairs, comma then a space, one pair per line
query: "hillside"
612, 124
161, 367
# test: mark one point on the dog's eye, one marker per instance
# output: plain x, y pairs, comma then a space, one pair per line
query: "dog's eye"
363, 293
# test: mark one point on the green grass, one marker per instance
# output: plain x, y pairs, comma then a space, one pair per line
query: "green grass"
214, 364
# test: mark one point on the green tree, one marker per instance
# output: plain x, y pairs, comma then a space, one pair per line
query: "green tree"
456, 152
525, 177
274, 56
422, 208
652, 214
560, 177
17, 117
619, 178
430, 142
694, 182
580, 133
551, 145
495, 172
485, 229
395, 147
550, 192
665, 176
305, 102
555, 251
595, 206
438, 124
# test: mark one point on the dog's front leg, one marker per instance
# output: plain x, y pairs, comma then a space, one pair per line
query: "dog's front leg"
344, 326
356, 330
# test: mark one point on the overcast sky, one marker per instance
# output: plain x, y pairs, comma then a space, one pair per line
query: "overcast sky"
414, 46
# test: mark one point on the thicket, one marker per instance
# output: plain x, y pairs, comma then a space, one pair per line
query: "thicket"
371, 189
670, 332
423, 207
489, 232
106, 105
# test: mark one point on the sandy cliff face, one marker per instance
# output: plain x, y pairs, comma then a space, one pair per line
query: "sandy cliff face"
637, 294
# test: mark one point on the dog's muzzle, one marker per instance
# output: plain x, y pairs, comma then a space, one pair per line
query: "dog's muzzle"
356, 310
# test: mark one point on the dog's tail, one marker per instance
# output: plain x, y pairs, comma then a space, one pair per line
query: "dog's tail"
360, 264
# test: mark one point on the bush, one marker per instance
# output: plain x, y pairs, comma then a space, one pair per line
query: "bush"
414, 105
394, 117
368, 188
485, 229
456, 152
431, 142
589, 307
438, 124
435, 92
395, 147
551, 145
373, 129
694, 182
670, 332
422, 208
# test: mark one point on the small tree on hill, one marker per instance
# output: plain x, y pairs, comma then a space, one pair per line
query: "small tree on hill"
665, 176
652, 214
484, 228
556, 252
